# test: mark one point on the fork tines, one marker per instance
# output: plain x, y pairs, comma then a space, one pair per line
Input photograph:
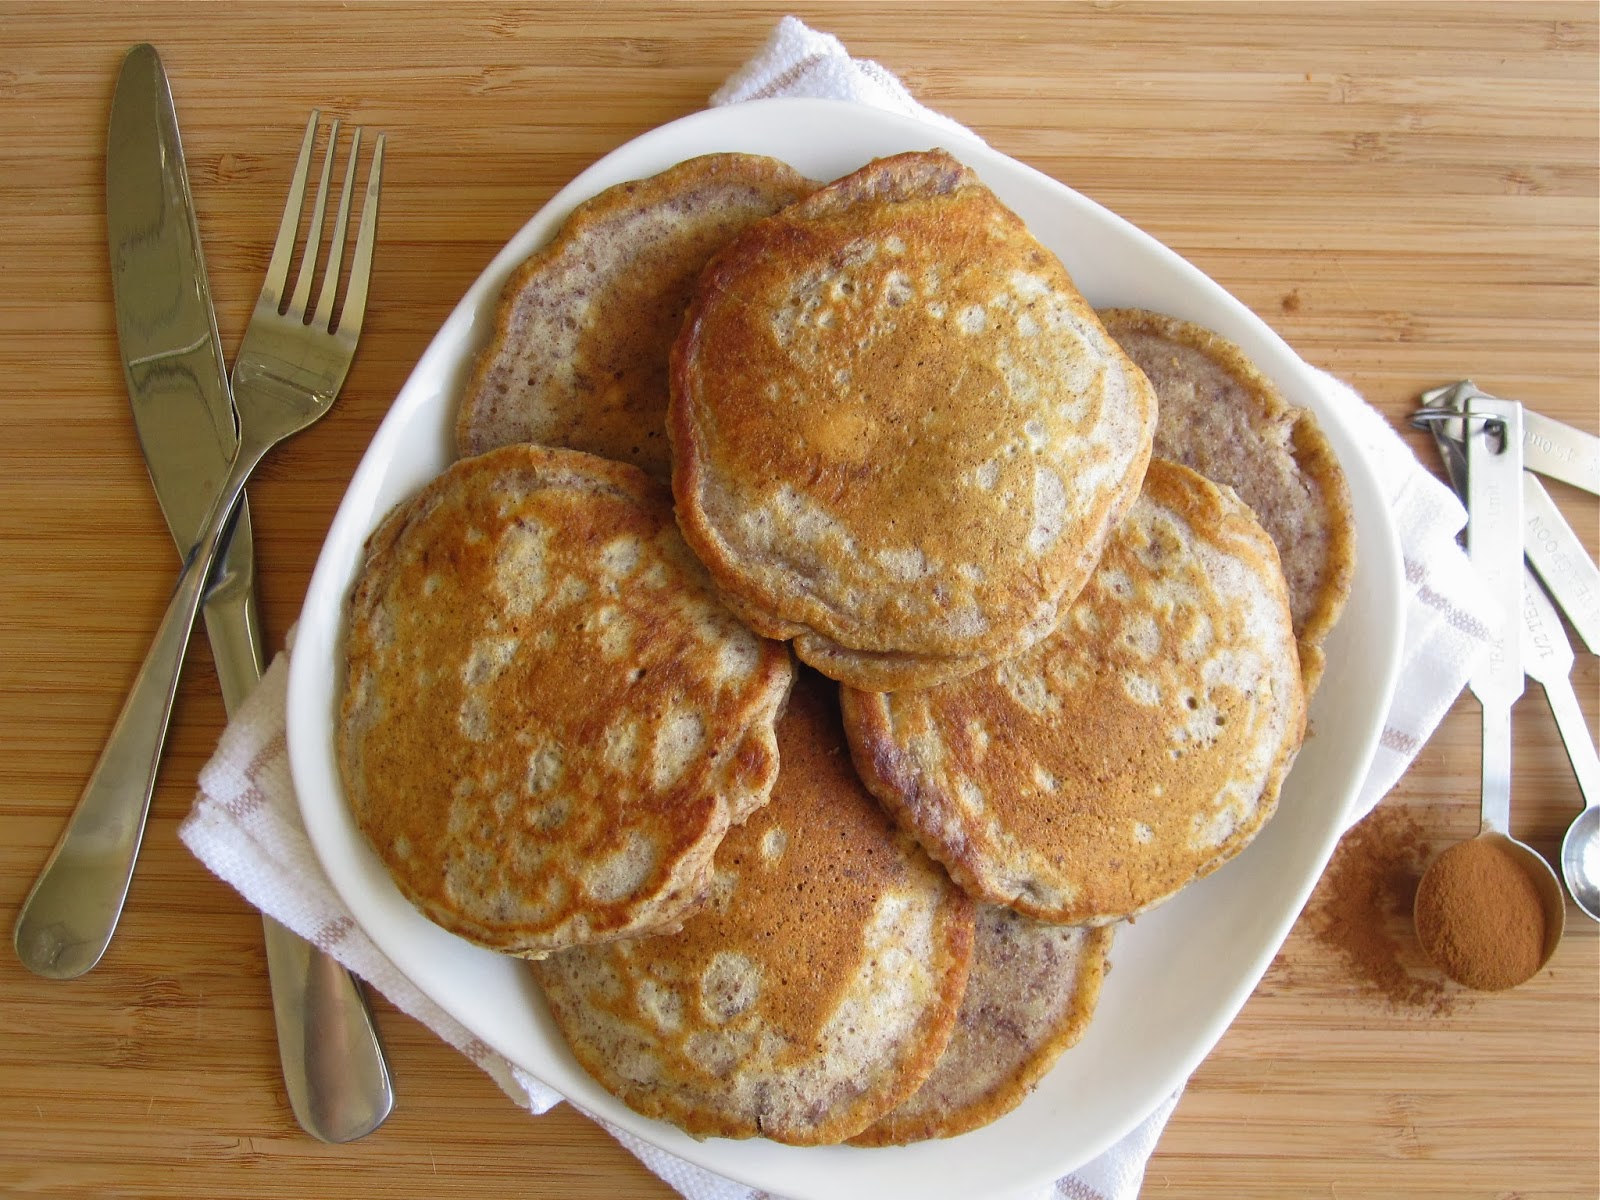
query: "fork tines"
355, 299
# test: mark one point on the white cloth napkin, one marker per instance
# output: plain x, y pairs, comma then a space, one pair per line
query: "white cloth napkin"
246, 827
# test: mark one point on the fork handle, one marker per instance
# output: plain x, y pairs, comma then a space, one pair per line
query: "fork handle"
67, 920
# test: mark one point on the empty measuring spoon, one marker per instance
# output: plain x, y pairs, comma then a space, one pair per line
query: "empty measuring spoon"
1580, 859
1547, 658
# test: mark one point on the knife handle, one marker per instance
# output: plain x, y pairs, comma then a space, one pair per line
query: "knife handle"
333, 1064
334, 1069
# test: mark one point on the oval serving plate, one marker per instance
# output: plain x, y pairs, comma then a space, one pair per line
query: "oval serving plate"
1181, 973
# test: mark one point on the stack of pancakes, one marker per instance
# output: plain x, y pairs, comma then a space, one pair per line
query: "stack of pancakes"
900, 436
1050, 679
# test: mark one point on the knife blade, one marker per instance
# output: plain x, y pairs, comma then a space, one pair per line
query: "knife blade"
334, 1070
1494, 544
171, 354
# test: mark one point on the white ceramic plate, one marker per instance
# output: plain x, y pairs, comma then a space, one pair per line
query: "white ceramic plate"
1180, 974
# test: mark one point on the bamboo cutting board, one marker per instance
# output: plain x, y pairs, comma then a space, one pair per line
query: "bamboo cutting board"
1408, 193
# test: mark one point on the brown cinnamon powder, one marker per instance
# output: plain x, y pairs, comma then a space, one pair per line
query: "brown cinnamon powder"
1363, 910
1479, 916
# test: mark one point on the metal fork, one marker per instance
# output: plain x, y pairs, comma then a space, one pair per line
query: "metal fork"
290, 365
288, 371
293, 362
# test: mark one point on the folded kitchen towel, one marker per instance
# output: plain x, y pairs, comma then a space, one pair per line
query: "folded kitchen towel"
246, 826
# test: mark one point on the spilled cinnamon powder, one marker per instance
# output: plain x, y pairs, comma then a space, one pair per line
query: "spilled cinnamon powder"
1363, 910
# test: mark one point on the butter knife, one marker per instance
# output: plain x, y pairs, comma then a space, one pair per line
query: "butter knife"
333, 1064
334, 1070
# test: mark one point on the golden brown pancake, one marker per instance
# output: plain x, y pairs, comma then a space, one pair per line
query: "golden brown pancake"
900, 435
549, 722
1135, 750
579, 353
1221, 416
1030, 994
815, 990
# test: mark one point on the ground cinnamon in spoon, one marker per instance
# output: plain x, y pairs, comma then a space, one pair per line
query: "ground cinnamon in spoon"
1479, 916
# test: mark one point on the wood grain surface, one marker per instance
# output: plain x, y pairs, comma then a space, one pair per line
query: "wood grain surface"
1406, 192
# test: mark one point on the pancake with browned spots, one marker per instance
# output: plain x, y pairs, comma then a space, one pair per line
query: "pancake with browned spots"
1030, 995
1221, 416
1136, 749
814, 991
579, 353
549, 722
900, 435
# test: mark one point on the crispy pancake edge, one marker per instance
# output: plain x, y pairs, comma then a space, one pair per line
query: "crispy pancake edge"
953, 931
1071, 1023
741, 782
911, 175
587, 217
1312, 451
921, 804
